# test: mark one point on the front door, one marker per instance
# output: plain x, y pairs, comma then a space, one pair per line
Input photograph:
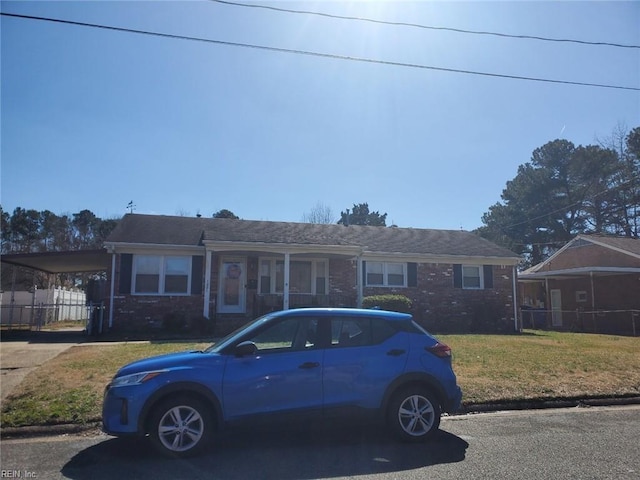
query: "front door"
556, 308
232, 292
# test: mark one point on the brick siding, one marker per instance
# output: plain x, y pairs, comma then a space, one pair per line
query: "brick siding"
437, 305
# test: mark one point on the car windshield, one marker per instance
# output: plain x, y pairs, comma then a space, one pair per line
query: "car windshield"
231, 338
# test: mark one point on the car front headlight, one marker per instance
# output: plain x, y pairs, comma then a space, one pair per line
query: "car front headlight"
135, 378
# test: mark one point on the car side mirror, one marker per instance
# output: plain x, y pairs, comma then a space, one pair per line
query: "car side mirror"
244, 349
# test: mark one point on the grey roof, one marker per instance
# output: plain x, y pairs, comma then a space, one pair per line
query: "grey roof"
190, 231
626, 244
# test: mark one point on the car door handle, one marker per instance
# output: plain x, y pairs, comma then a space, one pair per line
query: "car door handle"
396, 352
309, 365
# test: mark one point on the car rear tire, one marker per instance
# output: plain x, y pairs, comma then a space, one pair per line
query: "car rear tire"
181, 426
414, 414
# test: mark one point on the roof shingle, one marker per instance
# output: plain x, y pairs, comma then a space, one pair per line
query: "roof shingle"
189, 231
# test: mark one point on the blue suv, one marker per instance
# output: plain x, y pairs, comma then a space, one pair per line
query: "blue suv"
315, 361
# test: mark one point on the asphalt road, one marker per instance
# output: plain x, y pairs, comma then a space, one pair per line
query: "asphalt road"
584, 443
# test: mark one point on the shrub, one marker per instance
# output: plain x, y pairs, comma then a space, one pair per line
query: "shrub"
395, 303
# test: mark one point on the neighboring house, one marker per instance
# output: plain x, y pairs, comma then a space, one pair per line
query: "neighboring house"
226, 272
591, 284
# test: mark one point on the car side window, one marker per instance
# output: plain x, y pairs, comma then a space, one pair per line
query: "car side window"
288, 334
350, 332
381, 330
358, 332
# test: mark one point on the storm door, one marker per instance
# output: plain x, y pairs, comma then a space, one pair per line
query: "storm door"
232, 291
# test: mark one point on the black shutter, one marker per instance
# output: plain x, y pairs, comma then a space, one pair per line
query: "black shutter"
457, 275
126, 265
364, 273
488, 276
412, 274
196, 275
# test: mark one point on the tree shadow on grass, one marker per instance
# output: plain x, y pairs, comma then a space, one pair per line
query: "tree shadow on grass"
266, 454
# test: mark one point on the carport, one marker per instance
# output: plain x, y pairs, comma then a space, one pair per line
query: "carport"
79, 261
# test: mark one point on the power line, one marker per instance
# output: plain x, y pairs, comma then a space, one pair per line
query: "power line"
318, 54
577, 203
428, 27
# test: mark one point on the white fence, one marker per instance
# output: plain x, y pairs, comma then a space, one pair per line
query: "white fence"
42, 307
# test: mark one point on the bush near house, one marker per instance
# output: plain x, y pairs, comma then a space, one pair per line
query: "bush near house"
394, 303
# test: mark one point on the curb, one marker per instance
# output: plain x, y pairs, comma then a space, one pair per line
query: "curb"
30, 431
469, 409
540, 404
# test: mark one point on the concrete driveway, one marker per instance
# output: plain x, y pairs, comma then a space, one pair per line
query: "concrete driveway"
21, 355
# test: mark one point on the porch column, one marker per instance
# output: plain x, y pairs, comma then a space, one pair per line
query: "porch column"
515, 299
593, 293
547, 302
112, 290
207, 285
285, 297
359, 281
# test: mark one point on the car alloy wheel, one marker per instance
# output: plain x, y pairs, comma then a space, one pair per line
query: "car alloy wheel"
181, 427
414, 415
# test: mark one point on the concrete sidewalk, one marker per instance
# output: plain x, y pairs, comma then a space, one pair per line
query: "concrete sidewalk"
20, 356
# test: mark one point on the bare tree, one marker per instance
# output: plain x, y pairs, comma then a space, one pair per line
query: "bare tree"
320, 213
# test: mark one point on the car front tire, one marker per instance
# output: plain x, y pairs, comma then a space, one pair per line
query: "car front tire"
414, 414
181, 426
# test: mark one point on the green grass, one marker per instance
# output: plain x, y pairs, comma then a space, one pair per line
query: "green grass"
535, 365
545, 365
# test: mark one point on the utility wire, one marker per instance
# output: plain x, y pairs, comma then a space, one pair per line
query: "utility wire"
317, 54
576, 203
427, 27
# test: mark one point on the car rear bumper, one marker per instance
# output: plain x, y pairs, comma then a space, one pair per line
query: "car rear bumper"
455, 403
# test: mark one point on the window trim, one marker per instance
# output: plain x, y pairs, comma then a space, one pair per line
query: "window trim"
385, 274
162, 275
480, 277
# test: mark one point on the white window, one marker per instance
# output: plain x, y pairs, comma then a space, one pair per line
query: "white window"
386, 274
161, 275
472, 277
305, 276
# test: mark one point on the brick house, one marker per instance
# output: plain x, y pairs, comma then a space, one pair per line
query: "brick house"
591, 284
225, 272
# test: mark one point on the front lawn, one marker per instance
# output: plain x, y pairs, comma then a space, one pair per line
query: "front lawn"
534, 365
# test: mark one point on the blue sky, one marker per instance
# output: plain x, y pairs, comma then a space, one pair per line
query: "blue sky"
94, 118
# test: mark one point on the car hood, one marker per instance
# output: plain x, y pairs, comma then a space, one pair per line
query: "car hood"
167, 361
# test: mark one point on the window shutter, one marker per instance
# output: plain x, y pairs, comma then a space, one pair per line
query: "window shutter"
412, 274
196, 275
364, 273
488, 276
457, 275
126, 265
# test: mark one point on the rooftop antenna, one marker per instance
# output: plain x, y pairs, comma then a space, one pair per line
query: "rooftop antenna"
131, 206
